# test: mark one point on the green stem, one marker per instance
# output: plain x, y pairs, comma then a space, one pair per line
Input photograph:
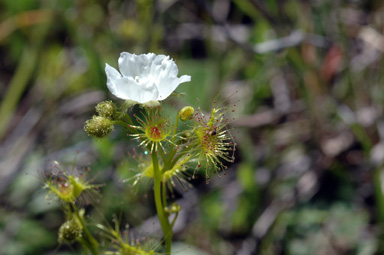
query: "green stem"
85, 246
164, 191
175, 128
182, 153
172, 150
89, 240
167, 163
120, 122
128, 118
162, 155
165, 227
174, 220
125, 125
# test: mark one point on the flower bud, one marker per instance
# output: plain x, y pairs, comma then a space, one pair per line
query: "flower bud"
186, 113
70, 231
175, 208
166, 212
107, 109
98, 126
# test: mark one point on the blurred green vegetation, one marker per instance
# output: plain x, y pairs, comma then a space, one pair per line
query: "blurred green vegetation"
309, 121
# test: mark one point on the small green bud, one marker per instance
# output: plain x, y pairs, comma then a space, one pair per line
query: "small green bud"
186, 113
106, 109
175, 208
166, 212
98, 126
70, 231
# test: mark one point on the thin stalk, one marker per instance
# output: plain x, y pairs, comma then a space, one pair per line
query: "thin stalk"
89, 241
125, 125
175, 128
172, 150
85, 246
130, 122
120, 122
162, 155
165, 227
174, 161
164, 193
167, 163
174, 220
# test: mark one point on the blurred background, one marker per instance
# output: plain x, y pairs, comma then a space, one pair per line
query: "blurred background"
308, 176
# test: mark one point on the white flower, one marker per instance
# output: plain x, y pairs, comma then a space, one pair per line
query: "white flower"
143, 78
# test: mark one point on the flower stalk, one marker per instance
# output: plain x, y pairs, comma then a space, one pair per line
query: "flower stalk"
89, 241
164, 223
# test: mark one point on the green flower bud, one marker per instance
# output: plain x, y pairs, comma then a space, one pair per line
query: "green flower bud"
98, 126
107, 109
175, 208
186, 113
166, 212
70, 231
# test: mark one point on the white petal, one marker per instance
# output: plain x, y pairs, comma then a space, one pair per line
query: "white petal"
144, 77
112, 76
167, 86
132, 65
168, 69
128, 88
160, 66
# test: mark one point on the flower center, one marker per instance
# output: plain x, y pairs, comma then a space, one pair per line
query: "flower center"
155, 133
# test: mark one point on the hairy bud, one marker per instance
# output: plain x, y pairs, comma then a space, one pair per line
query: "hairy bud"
107, 109
70, 231
98, 126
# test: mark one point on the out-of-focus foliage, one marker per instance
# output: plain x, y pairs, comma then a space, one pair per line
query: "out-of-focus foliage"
309, 120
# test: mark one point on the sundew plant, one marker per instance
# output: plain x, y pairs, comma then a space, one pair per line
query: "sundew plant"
176, 155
